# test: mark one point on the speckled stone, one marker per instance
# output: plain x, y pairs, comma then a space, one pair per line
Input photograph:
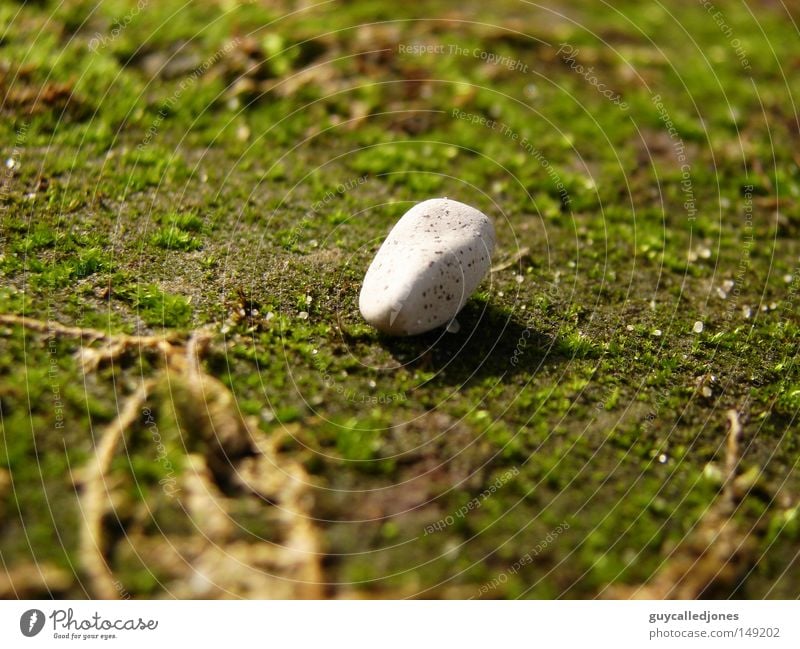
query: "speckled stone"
430, 264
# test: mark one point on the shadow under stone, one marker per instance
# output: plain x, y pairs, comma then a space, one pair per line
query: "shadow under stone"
491, 342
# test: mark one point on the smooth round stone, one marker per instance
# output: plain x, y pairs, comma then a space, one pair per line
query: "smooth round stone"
430, 264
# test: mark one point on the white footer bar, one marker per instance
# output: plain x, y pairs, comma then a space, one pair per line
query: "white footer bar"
387, 624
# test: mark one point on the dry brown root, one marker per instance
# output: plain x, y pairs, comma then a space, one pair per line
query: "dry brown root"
212, 562
96, 495
286, 483
33, 580
732, 459
115, 344
221, 565
714, 554
222, 425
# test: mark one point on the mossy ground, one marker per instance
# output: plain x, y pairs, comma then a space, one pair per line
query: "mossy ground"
235, 165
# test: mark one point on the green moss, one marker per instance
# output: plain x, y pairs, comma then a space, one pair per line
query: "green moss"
158, 308
174, 238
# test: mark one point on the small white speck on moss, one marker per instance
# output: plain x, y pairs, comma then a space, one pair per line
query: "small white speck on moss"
243, 132
303, 315
657, 332
712, 473
698, 327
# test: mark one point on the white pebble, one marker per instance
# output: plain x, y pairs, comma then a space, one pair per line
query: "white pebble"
427, 268
698, 327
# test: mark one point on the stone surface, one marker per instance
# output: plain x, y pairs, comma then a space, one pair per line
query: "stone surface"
427, 268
